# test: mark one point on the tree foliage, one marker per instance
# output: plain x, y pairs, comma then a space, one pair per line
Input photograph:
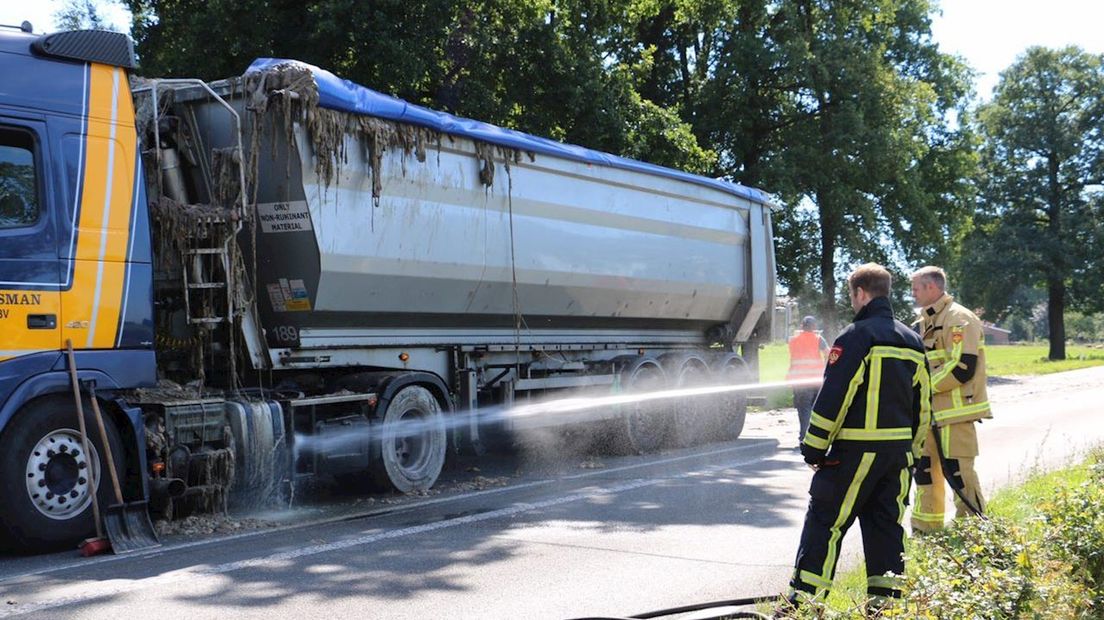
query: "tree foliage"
844, 109
1040, 216
841, 109
864, 136
538, 66
80, 15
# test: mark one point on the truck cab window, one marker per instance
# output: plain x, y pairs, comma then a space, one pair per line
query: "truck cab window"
18, 185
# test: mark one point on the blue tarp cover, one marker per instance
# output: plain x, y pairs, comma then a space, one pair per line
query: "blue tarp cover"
338, 94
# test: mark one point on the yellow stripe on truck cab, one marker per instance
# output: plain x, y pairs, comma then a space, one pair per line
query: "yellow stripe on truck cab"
91, 307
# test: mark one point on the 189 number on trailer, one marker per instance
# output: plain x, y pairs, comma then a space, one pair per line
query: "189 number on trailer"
287, 334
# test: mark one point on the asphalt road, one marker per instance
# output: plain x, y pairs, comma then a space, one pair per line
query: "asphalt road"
551, 537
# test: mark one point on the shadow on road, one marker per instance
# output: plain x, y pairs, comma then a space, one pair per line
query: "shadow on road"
419, 550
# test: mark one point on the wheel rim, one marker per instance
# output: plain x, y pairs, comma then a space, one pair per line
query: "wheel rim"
693, 374
733, 374
58, 481
411, 442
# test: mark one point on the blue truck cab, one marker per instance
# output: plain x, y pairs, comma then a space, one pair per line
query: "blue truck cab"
75, 267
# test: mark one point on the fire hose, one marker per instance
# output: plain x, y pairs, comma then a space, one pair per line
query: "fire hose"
739, 602
956, 482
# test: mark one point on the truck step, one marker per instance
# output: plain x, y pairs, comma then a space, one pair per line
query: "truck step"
206, 285
206, 320
205, 251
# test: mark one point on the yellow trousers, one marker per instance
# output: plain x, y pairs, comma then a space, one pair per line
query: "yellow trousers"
960, 446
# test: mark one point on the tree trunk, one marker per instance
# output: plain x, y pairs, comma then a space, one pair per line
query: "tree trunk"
1056, 283
752, 171
828, 317
1056, 319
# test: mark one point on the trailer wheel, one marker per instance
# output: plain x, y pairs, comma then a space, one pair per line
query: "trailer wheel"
643, 426
730, 410
691, 413
44, 475
413, 441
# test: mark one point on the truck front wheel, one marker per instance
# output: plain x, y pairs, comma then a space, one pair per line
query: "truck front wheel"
46, 478
412, 441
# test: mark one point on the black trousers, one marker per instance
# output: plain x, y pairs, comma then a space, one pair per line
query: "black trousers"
871, 487
803, 399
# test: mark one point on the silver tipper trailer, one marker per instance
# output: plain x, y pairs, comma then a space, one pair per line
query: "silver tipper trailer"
435, 269
285, 275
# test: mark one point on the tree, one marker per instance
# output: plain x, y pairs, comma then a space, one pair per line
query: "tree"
842, 109
1041, 220
864, 137
81, 15
538, 66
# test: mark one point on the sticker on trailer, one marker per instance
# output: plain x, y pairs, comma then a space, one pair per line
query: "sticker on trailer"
289, 296
282, 217
298, 300
276, 298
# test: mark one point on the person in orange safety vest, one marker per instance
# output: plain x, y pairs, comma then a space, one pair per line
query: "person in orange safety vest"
808, 353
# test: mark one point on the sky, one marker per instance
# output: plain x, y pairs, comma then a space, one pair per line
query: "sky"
989, 34
41, 13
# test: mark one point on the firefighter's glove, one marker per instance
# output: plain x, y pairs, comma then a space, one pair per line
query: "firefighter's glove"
812, 456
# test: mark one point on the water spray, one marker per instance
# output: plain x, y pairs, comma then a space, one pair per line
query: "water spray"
566, 405
573, 409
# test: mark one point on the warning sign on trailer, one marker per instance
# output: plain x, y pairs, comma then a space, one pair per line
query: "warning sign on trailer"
289, 296
278, 217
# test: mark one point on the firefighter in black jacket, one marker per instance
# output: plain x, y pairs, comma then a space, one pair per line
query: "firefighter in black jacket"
868, 427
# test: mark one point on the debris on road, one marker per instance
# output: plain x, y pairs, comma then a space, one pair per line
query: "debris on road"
201, 525
480, 483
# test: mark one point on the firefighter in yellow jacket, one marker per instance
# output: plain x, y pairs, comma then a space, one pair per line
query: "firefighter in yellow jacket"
955, 345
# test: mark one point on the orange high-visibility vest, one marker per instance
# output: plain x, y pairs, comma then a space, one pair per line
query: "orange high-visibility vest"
806, 359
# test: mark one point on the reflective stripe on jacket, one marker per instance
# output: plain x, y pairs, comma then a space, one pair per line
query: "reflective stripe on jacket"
950, 331
806, 356
876, 393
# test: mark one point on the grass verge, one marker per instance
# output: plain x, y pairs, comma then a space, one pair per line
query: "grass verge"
1031, 359
1040, 555
1001, 360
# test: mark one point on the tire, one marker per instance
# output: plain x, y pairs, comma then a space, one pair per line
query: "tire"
38, 468
644, 426
692, 413
730, 408
260, 456
411, 463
